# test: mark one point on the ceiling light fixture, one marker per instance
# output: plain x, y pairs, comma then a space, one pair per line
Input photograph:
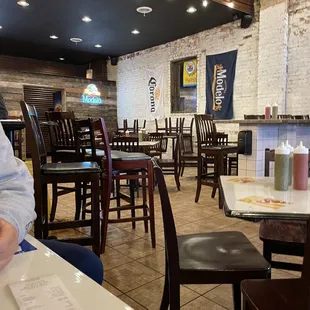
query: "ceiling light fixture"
191, 10
86, 19
98, 45
53, 37
0, 27
204, 3
135, 31
144, 10
231, 4
76, 40
61, 58
23, 3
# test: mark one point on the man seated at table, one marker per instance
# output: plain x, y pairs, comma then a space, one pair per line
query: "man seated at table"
17, 214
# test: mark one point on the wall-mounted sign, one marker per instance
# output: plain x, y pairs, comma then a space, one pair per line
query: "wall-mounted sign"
190, 73
91, 95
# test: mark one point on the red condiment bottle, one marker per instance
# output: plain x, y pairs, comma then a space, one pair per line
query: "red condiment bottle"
300, 167
267, 111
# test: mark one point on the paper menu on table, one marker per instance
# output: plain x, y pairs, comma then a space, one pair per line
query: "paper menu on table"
48, 293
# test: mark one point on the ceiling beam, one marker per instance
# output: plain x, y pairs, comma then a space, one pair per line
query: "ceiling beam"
245, 6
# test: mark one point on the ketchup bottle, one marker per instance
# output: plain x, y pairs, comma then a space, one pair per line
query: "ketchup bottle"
267, 111
300, 167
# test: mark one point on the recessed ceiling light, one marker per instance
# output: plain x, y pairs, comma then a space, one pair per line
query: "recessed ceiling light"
205, 3
231, 4
98, 45
76, 40
144, 10
23, 3
191, 10
135, 31
86, 19
53, 37
61, 58
0, 27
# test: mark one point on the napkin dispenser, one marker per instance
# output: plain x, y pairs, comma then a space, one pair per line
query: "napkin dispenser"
245, 142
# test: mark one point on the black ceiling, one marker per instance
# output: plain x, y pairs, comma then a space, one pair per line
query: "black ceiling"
26, 31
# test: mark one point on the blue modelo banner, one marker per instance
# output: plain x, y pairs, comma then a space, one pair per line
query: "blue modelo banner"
220, 79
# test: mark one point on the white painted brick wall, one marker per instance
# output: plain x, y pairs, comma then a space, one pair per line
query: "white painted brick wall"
273, 65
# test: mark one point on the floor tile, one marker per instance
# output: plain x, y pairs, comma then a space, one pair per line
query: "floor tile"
137, 248
130, 276
112, 258
127, 300
202, 303
155, 261
118, 236
113, 290
150, 295
202, 288
222, 295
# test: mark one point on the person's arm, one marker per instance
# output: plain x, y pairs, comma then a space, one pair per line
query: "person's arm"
16, 190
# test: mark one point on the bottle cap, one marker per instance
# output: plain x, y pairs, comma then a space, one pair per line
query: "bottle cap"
268, 105
301, 149
275, 105
289, 146
282, 150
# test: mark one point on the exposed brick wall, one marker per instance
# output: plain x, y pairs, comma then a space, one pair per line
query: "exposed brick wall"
12, 82
273, 63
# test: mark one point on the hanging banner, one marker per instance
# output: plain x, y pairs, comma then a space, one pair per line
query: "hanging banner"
190, 73
220, 84
154, 92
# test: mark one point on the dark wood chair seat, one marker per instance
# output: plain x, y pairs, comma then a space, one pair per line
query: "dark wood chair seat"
211, 253
207, 258
72, 168
284, 294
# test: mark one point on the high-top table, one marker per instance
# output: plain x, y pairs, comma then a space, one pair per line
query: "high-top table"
256, 198
9, 126
44, 262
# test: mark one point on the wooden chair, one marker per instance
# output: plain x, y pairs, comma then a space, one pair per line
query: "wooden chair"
209, 146
162, 129
117, 166
301, 116
187, 156
188, 136
281, 237
45, 173
143, 126
253, 116
284, 294
18, 139
206, 258
172, 166
178, 127
125, 144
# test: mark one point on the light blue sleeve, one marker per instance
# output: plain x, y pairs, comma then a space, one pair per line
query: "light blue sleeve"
16, 189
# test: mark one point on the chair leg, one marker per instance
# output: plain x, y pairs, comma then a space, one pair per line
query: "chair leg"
199, 173
144, 201
213, 191
78, 201
84, 200
132, 186
118, 199
177, 178
105, 206
54, 202
237, 296
45, 210
95, 216
267, 252
150, 173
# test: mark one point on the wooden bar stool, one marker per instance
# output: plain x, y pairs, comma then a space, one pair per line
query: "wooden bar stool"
45, 173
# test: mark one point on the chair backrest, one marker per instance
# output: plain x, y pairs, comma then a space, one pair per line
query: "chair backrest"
126, 144
84, 138
161, 129
285, 116
301, 116
205, 129
254, 116
156, 136
61, 130
171, 249
35, 137
179, 124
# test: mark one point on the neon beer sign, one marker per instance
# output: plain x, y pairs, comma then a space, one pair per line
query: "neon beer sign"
91, 95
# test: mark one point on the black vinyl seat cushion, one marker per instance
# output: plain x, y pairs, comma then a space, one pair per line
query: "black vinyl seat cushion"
66, 151
66, 168
221, 147
124, 156
227, 251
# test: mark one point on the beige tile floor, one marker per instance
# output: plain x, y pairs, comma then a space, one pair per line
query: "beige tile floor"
134, 271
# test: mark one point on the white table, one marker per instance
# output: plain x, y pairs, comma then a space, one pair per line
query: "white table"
252, 197
43, 262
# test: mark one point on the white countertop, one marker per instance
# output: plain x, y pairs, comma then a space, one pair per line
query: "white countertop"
43, 262
253, 197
